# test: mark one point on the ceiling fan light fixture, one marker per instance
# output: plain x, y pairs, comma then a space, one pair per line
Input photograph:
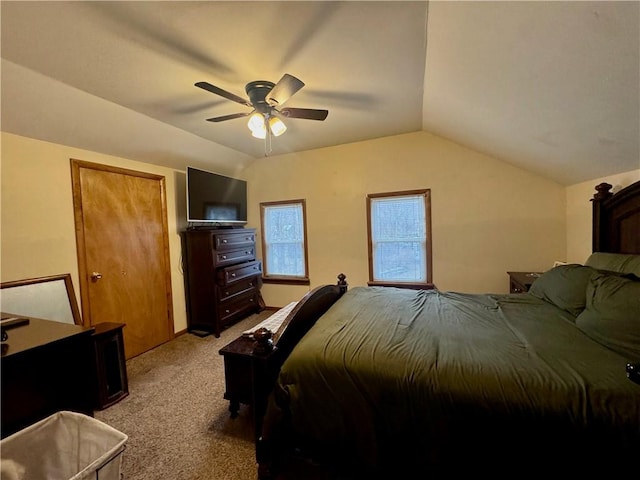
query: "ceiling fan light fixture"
277, 126
259, 133
257, 125
256, 122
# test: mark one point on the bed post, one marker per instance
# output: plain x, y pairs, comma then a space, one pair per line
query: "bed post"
342, 283
603, 191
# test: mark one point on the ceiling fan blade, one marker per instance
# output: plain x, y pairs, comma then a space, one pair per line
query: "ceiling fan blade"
228, 117
305, 113
222, 93
286, 87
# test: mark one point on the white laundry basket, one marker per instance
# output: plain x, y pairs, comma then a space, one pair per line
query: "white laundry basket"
65, 445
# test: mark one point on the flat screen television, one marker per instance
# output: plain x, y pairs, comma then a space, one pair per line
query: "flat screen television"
214, 199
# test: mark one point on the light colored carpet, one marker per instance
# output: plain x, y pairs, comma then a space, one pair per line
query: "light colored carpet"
177, 420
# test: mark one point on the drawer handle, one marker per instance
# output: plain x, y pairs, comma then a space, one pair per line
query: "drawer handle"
233, 274
255, 268
226, 311
226, 294
251, 284
224, 240
224, 257
251, 299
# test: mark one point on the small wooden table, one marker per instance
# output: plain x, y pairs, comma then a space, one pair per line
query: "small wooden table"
111, 369
249, 377
520, 282
237, 373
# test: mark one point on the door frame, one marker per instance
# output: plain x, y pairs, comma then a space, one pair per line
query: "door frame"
83, 272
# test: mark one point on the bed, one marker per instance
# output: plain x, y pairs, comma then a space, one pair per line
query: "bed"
380, 382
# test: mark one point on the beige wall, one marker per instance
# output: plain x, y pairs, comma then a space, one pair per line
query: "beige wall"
579, 212
488, 217
37, 226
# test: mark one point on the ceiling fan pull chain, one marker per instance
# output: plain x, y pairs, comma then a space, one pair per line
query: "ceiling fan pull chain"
267, 141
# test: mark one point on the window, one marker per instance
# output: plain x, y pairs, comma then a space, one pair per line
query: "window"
399, 229
284, 242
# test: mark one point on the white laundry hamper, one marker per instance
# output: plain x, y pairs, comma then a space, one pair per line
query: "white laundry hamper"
63, 446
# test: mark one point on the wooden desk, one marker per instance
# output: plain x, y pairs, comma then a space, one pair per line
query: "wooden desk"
46, 367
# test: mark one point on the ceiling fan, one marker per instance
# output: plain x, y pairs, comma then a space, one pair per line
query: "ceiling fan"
266, 100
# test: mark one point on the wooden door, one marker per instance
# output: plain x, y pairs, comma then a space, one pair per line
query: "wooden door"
123, 252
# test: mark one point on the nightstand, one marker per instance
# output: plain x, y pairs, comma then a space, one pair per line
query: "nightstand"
111, 369
520, 282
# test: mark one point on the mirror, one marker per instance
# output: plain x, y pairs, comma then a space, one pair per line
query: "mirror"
49, 298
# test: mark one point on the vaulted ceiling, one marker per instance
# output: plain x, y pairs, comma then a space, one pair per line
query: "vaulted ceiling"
553, 87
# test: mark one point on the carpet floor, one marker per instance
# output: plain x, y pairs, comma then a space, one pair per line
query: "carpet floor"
177, 421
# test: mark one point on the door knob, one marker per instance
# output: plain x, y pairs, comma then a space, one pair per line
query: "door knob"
95, 276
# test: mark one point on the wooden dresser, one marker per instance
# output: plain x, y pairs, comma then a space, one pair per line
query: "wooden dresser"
46, 367
223, 278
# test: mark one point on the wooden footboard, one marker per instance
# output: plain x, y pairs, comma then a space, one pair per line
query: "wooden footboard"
270, 352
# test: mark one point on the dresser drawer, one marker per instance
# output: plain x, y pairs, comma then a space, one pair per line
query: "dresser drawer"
235, 273
229, 257
229, 311
227, 293
233, 240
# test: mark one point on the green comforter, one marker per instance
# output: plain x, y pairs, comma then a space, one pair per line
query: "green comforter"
391, 376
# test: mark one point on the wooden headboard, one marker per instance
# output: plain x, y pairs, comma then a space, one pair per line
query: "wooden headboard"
616, 219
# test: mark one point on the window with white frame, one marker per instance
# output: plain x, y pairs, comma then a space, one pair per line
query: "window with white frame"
284, 241
399, 229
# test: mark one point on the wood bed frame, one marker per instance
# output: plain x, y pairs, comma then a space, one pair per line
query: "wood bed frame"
616, 229
616, 219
